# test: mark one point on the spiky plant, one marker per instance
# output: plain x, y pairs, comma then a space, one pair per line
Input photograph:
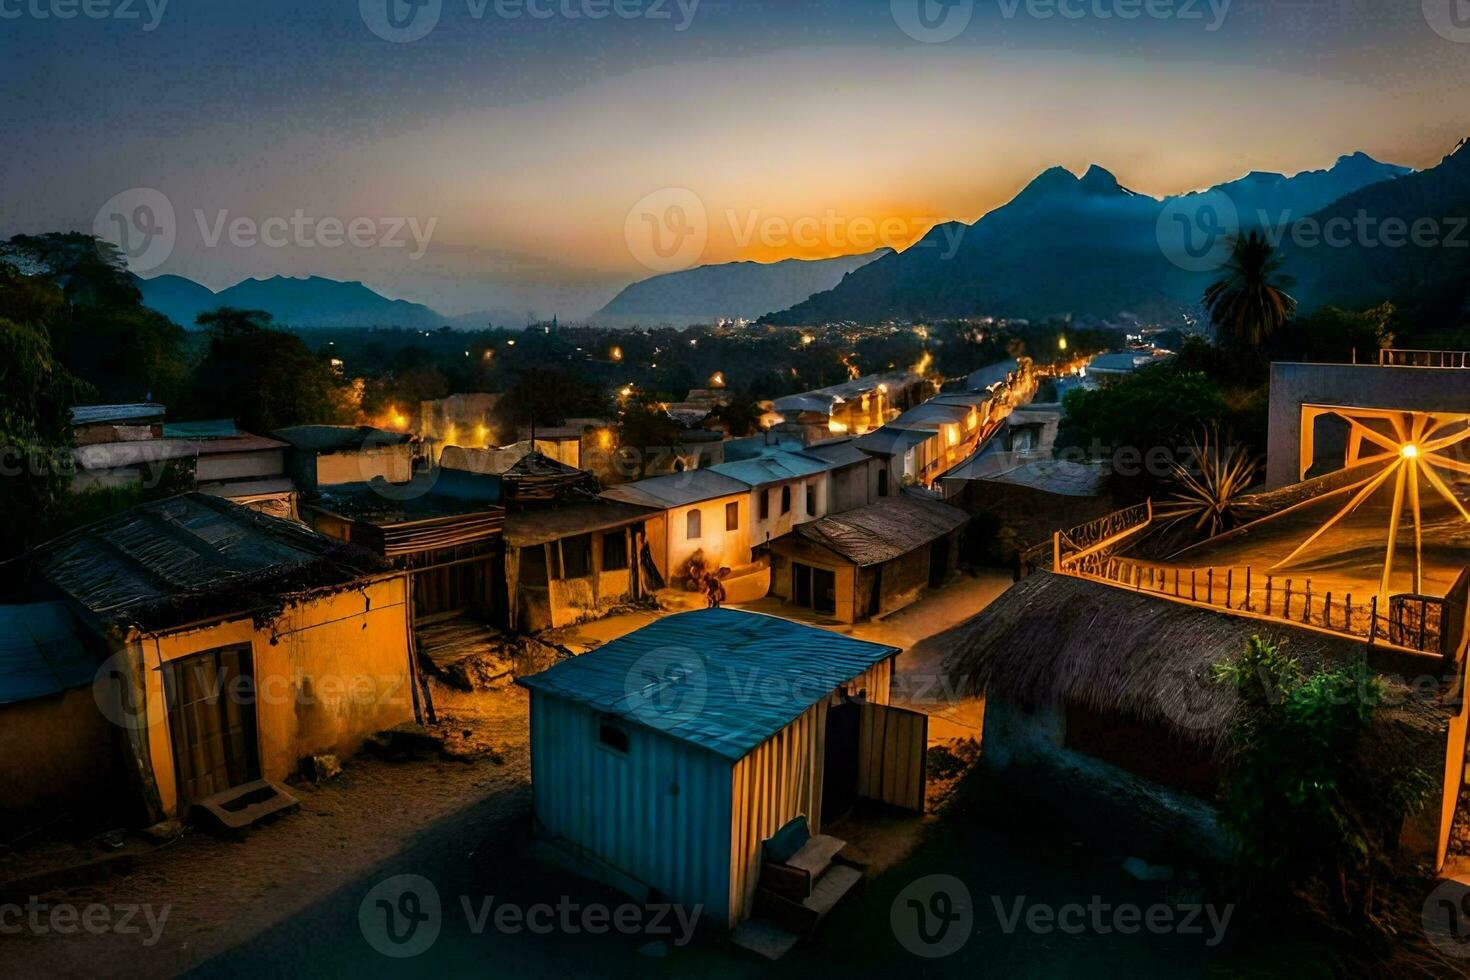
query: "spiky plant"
1210, 492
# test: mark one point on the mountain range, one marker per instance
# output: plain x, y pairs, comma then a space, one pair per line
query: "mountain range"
1080, 245
734, 289
308, 302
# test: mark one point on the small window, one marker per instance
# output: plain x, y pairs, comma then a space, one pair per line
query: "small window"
576, 557
732, 516
694, 525
766, 504
811, 500
614, 551
786, 499
612, 736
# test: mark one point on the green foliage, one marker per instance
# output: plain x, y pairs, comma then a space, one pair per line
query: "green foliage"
1249, 302
36, 393
1209, 484
1154, 407
1309, 814
1331, 334
105, 336
87, 506
264, 378
741, 415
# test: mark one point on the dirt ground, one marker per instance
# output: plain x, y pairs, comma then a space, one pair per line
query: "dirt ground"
220, 895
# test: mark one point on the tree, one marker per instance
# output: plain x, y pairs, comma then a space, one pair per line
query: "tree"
547, 396
741, 415
1250, 303
265, 378
36, 394
1333, 334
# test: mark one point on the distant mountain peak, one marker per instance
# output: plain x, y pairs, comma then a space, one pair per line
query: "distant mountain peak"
1100, 181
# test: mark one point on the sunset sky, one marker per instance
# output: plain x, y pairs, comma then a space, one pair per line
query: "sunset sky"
527, 141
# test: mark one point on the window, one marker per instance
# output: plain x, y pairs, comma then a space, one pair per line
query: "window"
576, 557
732, 516
766, 504
786, 499
612, 736
811, 500
694, 525
614, 551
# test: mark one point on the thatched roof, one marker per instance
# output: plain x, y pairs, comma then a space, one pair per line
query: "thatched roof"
1054, 639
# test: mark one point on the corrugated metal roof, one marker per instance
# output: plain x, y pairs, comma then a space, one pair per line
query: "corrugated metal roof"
722, 679
98, 414
841, 453
892, 439
884, 530
339, 438
677, 489
44, 650
772, 466
191, 557
992, 374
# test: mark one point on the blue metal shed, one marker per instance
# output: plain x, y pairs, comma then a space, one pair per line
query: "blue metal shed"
664, 758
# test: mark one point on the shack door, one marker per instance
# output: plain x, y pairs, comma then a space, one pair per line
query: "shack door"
892, 746
840, 760
211, 722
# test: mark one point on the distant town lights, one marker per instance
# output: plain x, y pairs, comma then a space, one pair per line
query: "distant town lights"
1061, 343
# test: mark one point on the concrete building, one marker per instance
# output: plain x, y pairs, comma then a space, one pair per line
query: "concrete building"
332, 455
698, 512
786, 489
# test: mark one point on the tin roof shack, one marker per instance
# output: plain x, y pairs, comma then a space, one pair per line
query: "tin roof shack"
444, 530
870, 561
697, 512
115, 423
58, 753
571, 560
241, 644
1100, 701
331, 455
664, 759
786, 489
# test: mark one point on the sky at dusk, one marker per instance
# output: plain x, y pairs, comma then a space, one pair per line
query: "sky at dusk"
523, 143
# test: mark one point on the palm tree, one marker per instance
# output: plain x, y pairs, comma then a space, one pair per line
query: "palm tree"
1250, 302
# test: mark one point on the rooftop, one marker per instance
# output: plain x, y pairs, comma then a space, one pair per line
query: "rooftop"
44, 650
190, 558
340, 438
553, 521
677, 489
771, 466
884, 530
721, 679
135, 414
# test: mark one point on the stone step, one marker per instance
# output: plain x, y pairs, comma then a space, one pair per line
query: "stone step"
239, 808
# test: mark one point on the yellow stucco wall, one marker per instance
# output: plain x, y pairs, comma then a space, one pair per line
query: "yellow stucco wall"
337, 672
720, 547
393, 463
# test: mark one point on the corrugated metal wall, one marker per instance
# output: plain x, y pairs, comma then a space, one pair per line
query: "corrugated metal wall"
659, 814
780, 779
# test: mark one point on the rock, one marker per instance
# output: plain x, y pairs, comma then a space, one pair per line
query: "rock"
320, 768
162, 833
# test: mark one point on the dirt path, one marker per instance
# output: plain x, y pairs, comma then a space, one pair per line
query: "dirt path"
219, 894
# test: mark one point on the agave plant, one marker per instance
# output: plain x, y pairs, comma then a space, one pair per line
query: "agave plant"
1210, 492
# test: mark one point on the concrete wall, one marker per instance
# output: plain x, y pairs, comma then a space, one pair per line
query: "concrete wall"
777, 523
328, 673
60, 757
720, 547
1351, 386
853, 487
393, 463
240, 466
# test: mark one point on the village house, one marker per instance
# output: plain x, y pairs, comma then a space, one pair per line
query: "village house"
331, 455
870, 561
240, 645
852, 474
786, 489
656, 771
700, 512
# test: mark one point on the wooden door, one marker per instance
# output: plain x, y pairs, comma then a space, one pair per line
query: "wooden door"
211, 720
893, 744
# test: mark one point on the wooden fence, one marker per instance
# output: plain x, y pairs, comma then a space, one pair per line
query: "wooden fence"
1411, 621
